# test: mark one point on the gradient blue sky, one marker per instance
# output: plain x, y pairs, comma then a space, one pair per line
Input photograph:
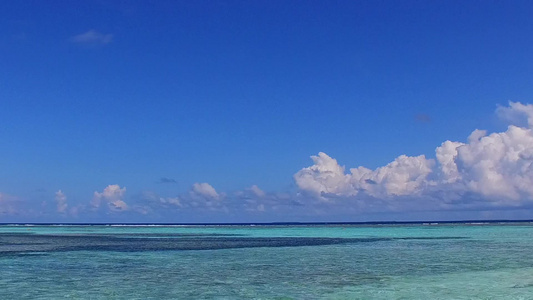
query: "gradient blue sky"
157, 96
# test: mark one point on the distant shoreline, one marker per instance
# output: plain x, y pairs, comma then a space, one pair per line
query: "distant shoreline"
374, 223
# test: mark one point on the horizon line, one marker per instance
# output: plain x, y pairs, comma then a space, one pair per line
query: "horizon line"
489, 221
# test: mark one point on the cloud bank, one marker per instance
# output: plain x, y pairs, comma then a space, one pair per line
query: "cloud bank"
488, 172
494, 169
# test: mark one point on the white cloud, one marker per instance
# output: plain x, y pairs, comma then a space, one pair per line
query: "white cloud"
499, 165
517, 113
111, 196
92, 37
61, 201
406, 175
446, 155
172, 201
325, 177
204, 190
498, 168
257, 191
204, 196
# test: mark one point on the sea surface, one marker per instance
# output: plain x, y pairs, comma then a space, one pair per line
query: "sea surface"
341, 261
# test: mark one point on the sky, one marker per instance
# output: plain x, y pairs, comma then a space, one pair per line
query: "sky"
265, 111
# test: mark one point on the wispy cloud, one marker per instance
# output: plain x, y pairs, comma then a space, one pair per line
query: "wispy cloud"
423, 118
92, 37
166, 180
155, 200
254, 199
61, 202
201, 196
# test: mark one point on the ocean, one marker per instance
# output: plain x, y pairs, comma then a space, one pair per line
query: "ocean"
275, 261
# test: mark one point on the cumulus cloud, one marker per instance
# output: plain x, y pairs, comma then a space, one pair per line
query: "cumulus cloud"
257, 191
496, 169
498, 165
111, 197
92, 37
203, 195
204, 190
517, 114
327, 179
61, 202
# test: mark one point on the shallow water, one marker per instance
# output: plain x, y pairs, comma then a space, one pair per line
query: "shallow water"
267, 262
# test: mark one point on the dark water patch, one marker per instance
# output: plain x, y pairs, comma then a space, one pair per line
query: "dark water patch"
432, 238
26, 254
23, 243
154, 235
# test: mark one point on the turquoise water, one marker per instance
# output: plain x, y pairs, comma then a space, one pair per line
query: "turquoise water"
267, 262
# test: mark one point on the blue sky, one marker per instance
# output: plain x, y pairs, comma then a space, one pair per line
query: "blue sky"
198, 111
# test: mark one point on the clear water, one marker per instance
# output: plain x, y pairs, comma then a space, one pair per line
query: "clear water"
267, 262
